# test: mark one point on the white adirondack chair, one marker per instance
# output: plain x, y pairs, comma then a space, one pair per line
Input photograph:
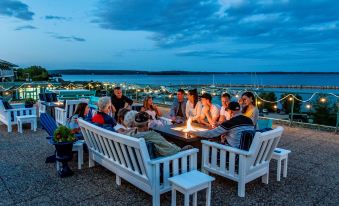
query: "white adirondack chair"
128, 158
61, 115
9, 116
251, 164
42, 108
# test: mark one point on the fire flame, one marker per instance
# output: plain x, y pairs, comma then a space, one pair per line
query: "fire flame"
188, 126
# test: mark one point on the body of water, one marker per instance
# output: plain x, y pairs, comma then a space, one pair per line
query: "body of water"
259, 79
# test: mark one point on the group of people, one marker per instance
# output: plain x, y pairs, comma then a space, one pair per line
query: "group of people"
205, 112
227, 121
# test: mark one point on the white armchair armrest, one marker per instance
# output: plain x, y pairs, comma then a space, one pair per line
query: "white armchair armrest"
173, 157
226, 148
60, 115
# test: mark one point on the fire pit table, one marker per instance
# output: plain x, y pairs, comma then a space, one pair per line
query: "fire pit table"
180, 135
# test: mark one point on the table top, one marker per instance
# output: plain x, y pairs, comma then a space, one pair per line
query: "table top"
191, 179
280, 152
179, 135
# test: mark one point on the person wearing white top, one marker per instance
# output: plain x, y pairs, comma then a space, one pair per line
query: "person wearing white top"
224, 115
210, 111
193, 105
153, 111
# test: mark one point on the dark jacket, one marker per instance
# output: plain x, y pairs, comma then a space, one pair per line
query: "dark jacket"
175, 108
120, 103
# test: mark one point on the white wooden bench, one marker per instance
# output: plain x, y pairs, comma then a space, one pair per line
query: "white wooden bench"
241, 166
128, 158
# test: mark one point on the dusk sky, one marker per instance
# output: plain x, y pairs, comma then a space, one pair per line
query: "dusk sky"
154, 35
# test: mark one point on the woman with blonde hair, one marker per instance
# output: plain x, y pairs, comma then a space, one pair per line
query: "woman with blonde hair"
153, 111
150, 108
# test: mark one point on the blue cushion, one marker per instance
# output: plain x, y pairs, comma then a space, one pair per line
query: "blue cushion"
264, 130
246, 139
42, 97
54, 97
264, 123
151, 150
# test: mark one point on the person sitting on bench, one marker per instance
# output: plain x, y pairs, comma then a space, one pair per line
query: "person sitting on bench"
162, 146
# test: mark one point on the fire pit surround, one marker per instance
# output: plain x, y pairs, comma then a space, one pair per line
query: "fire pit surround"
188, 128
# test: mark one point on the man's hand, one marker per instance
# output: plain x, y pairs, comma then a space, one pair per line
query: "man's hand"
113, 108
126, 105
223, 138
121, 130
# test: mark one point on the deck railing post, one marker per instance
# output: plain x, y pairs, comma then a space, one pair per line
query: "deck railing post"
292, 107
337, 125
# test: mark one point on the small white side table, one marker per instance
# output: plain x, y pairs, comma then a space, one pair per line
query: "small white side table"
280, 155
27, 119
190, 183
77, 147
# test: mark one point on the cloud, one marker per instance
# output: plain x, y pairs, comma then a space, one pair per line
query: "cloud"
314, 51
15, 8
66, 38
180, 23
25, 27
60, 18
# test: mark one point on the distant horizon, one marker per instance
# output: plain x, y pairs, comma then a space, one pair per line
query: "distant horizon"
128, 71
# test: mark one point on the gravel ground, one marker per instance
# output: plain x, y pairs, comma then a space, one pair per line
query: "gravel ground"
25, 178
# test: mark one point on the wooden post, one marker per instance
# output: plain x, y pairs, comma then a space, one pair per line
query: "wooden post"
337, 125
292, 107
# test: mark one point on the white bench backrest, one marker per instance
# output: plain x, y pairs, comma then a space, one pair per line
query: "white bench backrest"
126, 152
71, 106
263, 146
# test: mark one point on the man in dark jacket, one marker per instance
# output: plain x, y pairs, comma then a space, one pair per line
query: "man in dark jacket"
119, 101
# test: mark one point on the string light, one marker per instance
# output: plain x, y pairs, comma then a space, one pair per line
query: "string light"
308, 106
322, 100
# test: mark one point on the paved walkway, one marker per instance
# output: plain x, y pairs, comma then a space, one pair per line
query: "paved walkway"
25, 179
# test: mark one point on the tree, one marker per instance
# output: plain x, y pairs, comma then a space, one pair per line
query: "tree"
269, 96
36, 73
324, 111
287, 103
